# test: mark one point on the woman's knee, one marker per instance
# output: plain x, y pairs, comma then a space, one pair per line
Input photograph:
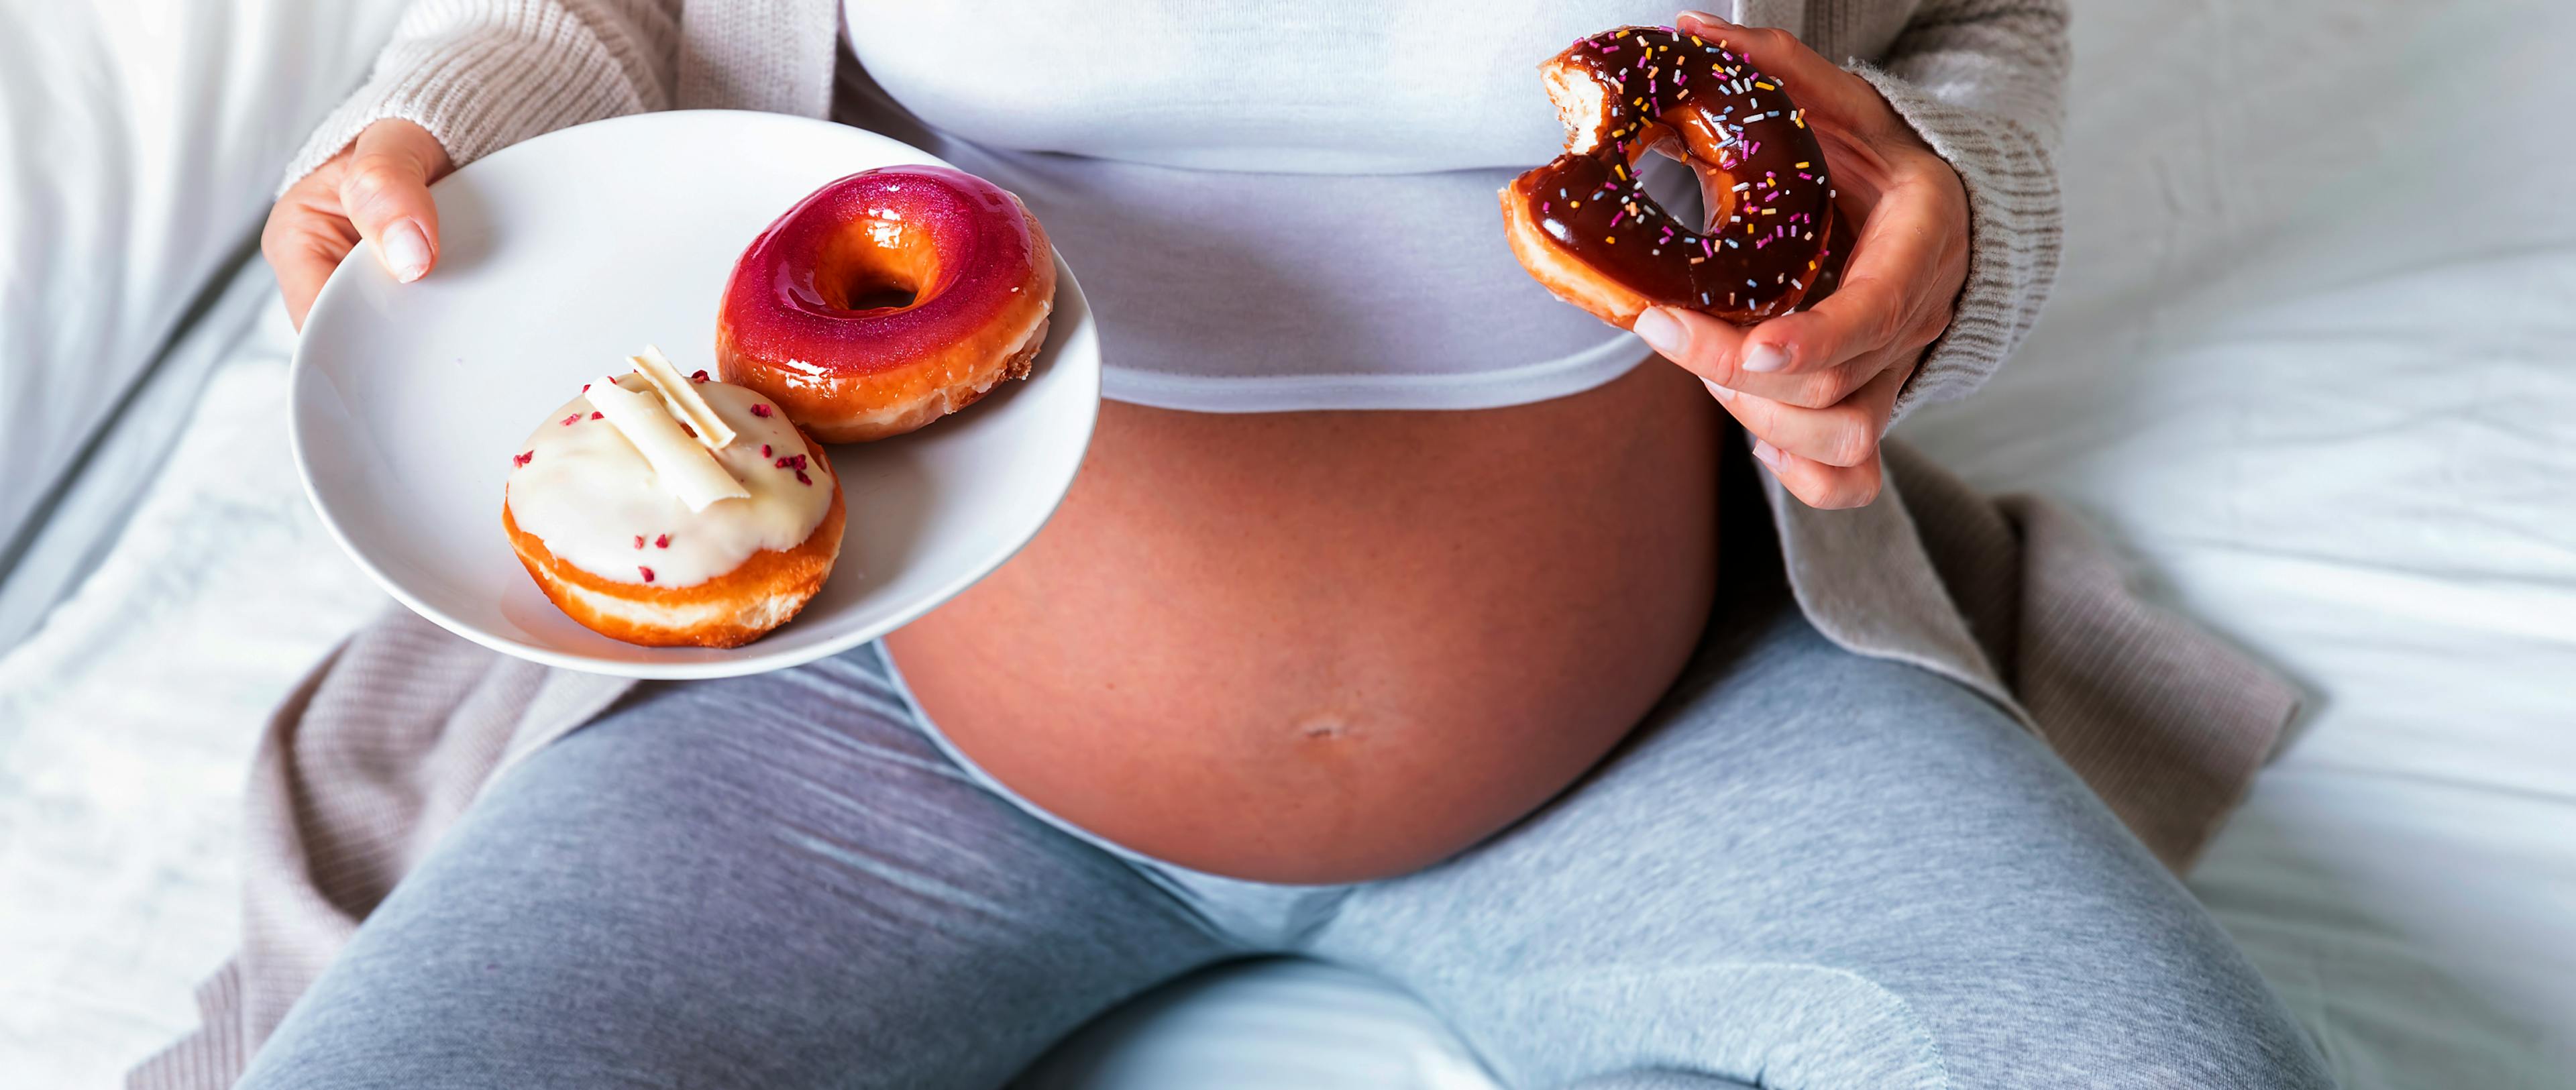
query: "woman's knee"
1936, 848
1797, 725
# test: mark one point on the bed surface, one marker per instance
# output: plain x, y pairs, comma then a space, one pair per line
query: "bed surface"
2310, 363
2313, 362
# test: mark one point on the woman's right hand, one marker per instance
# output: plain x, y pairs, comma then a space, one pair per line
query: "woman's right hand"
377, 189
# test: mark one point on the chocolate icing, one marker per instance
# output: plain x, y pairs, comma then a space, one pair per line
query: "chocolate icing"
1771, 243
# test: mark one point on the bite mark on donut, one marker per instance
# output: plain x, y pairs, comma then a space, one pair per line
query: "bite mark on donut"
1582, 105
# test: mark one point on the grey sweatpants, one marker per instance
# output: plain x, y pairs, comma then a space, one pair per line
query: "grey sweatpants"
1807, 869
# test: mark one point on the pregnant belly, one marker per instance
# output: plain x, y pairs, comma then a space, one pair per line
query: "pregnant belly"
1318, 647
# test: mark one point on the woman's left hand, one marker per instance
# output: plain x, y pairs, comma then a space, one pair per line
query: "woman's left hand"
1816, 387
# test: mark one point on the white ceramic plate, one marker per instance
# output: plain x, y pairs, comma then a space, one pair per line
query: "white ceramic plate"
561, 256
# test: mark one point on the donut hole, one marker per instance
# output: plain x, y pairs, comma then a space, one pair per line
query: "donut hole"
875, 264
1672, 182
875, 289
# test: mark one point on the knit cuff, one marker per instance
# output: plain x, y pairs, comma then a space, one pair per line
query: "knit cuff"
483, 87
2015, 232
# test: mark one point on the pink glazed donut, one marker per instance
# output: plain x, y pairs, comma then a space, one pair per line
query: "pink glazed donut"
886, 300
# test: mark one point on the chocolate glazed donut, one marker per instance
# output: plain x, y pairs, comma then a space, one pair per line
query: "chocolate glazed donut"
1586, 228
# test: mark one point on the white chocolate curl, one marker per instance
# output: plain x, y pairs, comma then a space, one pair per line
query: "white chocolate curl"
679, 462
682, 395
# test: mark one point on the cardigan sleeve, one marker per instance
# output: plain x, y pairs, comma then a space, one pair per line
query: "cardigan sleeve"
1984, 82
483, 74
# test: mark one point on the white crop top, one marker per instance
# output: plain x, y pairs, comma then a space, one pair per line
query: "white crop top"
1271, 206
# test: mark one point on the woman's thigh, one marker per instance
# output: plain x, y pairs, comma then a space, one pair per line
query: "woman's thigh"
761, 882
1816, 869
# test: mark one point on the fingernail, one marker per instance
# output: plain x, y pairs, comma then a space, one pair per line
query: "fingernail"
1661, 331
1768, 454
1719, 392
406, 251
1765, 357
1705, 17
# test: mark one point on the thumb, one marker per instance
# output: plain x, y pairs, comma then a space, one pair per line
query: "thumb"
385, 193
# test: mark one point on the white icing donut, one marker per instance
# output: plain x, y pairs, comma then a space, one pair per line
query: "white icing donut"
591, 497
617, 549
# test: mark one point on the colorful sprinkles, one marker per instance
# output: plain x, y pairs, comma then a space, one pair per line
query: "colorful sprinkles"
1663, 90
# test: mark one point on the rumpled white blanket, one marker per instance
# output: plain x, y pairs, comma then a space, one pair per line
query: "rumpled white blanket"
139, 143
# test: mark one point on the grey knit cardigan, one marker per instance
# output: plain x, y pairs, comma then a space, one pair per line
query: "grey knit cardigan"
380, 748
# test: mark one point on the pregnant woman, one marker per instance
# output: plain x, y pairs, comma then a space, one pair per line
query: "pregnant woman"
1401, 616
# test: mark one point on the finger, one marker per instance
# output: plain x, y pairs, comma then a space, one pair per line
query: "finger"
1823, 483
304, 239
1702, 345
1711, 348
1878, 398
385, 193
1842, 435
1879, 302
1819, 485
1819, 86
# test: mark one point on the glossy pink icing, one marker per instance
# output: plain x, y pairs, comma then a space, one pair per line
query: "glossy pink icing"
777, 308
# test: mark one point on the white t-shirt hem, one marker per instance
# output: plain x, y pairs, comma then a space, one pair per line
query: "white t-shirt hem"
1522, 385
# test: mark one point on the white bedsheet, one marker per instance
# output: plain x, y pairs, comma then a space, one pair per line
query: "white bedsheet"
140, 141
2313, 359
125, 731
2310, 361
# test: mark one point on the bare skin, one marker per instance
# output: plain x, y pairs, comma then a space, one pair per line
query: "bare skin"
1313, 647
